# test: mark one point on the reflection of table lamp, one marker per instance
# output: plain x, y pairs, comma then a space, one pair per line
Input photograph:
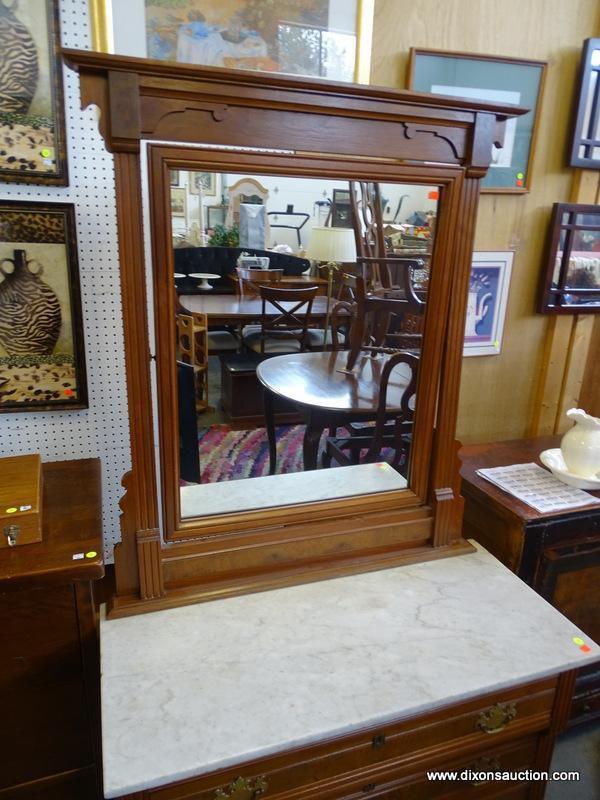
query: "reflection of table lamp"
334, 246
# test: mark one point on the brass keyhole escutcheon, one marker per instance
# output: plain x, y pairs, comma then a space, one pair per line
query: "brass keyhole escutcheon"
11, 532
378, 741
243, 789
496, 718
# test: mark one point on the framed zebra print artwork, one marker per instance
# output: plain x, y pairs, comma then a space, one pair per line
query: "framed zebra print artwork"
32, 119
42, 354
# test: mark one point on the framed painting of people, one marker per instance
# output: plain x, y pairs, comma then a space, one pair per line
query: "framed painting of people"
32, 120
320, 38
42, 354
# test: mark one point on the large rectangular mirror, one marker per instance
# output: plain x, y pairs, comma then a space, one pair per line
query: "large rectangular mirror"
300, 308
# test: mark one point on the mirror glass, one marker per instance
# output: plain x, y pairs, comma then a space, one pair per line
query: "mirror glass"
576, 267
299, 328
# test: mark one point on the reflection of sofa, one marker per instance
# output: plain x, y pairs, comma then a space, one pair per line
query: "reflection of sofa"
222, 261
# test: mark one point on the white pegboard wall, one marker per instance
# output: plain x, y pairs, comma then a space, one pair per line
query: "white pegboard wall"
102, 430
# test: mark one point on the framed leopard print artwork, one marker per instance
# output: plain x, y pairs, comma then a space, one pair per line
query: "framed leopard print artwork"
32, 118
42, 353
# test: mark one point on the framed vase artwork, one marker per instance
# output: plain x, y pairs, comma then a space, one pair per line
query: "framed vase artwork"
203, 181
341, 210
178, 202
42, 354
486, 306
494, 79
32, 119
318, 38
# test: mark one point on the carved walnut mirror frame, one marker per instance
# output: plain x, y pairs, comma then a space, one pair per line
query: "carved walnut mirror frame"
336, 130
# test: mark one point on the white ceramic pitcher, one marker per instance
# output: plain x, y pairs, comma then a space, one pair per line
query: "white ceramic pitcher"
580, 446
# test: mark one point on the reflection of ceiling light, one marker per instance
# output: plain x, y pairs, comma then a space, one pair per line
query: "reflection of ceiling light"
595, 58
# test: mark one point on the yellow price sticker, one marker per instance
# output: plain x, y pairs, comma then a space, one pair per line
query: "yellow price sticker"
91, 554
11, 510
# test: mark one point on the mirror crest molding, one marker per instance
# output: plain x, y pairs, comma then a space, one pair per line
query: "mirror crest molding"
397, 135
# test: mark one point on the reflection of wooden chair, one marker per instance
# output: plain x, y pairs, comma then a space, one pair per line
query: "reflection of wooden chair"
288, 331
394, 433
250, 280
386, 275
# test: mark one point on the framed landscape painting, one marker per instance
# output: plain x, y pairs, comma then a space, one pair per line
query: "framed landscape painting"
496, 79
32, 121
42, 354
486, 305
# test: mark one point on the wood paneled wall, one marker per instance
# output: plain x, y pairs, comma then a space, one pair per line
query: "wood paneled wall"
500, 394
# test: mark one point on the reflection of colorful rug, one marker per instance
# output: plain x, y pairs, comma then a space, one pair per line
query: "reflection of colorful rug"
227, 455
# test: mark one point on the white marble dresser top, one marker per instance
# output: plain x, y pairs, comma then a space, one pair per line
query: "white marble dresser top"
194, 689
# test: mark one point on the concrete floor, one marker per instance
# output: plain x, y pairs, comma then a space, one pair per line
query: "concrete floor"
577, 750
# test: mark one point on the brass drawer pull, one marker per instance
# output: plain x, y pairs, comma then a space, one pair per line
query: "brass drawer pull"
243, 789
496, 718
484, 764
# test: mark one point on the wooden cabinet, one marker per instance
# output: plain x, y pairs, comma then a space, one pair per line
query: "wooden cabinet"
512, 729
558, 555
49, 660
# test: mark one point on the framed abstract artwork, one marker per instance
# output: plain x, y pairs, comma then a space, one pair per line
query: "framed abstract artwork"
486, 307
494, 79
42, 354
205, 181
32, 120
570, 280
320, 38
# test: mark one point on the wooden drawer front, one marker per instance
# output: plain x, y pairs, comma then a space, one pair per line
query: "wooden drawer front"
398, 746
519, 756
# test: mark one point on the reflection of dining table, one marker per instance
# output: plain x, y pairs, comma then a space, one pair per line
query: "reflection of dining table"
230, 309
327, 395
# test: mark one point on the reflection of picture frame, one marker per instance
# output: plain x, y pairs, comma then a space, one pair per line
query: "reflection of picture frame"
290, 36
206, 180
32, 118
570, 280
215, 215
341, 210
486, 306
174, 177
42, 355
178, 202
498, 80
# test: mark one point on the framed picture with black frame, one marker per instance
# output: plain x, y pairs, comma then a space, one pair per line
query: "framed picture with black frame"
32, 116
570, 279
42, 353
495, 79
585, 147
341, 209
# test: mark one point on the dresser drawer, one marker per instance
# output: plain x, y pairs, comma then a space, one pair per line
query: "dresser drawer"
511, 757
401, 747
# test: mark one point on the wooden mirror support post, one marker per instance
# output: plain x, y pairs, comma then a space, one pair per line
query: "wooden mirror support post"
340, 130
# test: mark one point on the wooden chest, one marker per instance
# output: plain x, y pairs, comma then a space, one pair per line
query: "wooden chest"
20, 500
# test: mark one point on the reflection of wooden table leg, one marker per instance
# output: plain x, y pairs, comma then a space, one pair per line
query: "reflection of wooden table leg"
315, 425
270, 423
